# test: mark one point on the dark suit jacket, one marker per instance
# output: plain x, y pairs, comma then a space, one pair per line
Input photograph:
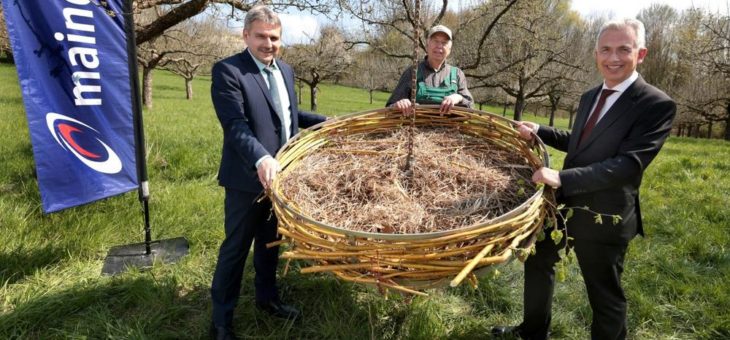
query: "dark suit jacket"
250, 124
604, 173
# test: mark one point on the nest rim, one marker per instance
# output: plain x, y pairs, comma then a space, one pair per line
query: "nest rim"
277, 197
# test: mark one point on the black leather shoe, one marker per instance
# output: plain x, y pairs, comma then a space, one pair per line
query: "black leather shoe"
278, 309
500, 331
222, 333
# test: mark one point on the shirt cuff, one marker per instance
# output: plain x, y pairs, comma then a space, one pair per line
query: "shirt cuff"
258, 162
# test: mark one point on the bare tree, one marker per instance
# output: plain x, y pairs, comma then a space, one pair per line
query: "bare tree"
6, 51
186, 49
373, 71
529, 52
704, 55
323, 59
202, 43
660, 65
151, 55
177, 11
714, 54
388, 25
575, 72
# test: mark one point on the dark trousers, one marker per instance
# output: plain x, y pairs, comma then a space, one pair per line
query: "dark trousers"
246, 220
601, 266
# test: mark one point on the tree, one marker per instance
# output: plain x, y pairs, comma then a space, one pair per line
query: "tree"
714, 53
529, 52
704, 56
661, 63
6, 51
323, 59
388, 25
202, 43
177, 11
185, 49
373, 71
151, 55
575, 72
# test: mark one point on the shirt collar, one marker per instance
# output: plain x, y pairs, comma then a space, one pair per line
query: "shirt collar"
621, 87
427, 64
261, 65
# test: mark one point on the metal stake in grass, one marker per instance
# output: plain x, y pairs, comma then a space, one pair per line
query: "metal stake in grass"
410, 158
140, 255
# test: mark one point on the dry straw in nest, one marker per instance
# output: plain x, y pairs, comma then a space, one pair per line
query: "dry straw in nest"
345, 203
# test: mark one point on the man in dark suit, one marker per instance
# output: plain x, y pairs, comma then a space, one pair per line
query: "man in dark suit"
254, 99
620, 127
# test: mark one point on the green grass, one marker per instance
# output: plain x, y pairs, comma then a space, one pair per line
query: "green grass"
676, 278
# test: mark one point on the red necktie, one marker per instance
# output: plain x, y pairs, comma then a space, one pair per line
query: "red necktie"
594, 116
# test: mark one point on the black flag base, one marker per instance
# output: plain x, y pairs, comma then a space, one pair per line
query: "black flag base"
121, 258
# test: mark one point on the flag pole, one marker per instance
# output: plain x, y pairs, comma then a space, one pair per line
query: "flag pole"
140, 255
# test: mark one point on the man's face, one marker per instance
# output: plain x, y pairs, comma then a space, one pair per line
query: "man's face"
617, 55
263, 40
439, 47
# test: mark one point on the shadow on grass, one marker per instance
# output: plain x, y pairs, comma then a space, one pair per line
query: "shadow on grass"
131, 307
163, 87
16, 265
330, 309
180, 97
12, 100
153, 306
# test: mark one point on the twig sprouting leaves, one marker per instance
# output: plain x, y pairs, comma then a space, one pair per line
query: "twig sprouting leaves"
557, 233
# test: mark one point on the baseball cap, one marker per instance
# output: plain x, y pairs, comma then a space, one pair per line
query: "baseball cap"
439, 28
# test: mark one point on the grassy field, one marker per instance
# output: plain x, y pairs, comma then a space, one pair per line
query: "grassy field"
677, 279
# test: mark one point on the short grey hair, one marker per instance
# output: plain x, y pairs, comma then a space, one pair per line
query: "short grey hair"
622, 24
261, 13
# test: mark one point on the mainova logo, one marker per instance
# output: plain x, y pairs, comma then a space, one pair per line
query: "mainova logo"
80, 139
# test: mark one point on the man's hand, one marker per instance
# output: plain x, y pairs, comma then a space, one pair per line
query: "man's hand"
449, 102
404, 105
267, 171
548, 176
527, 129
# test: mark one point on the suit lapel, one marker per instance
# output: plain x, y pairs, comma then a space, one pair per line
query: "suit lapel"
620, 108
254, 71
287, 74
581, 118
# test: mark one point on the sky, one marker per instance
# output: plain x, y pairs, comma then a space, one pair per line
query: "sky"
299, 28
630, 8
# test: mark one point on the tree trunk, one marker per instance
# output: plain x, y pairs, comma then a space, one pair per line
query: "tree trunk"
299, 99
553, 108
8, 57
727, 122
519, 106
147, 86
709, 130
313, 99
188, 88
571, 115
480, 107
370, 91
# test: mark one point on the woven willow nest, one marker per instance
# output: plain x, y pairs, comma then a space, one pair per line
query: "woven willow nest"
410, 259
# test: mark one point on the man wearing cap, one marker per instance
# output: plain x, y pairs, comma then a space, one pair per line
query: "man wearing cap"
438, 82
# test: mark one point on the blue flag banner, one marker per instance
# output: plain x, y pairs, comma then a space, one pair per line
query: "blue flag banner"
71, 59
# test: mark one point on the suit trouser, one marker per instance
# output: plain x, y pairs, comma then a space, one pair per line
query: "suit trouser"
246, 220
601, 266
